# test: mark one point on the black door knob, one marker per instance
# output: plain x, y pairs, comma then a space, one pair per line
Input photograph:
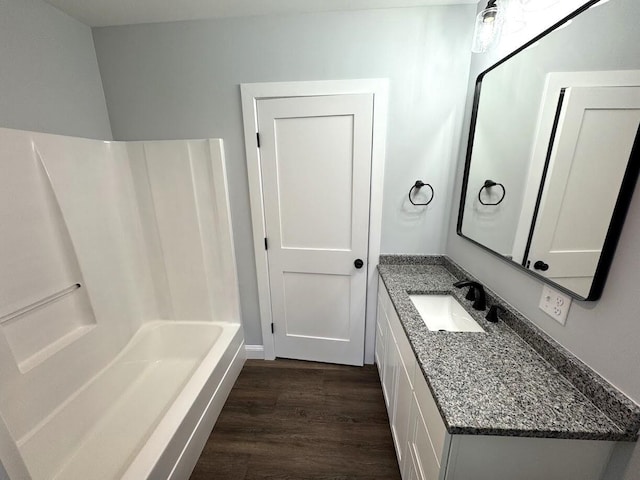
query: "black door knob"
358, 263
540, 265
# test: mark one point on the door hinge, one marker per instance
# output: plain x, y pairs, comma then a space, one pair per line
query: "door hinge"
258, 139
272, 328
266, 244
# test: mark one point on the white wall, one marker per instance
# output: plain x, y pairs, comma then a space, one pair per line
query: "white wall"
72, 219
49, 79
604, 334
181, 192
181, 80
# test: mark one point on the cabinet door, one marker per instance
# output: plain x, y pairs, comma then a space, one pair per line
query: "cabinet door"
431, 416
413, 471
420, 445
380, 337
402, 408
390, 371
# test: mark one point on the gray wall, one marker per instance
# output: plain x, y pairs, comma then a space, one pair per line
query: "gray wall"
181, 80
49, 77
603, 334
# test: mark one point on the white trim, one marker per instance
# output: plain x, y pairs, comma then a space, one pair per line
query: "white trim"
250, 93
254, 352
194, 446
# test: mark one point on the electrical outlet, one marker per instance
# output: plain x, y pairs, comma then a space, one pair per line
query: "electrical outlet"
555, 304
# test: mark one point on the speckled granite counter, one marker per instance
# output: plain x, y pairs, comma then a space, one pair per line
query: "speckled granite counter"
512, 379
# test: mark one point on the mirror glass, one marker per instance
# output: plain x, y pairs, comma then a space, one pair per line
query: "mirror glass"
554, 149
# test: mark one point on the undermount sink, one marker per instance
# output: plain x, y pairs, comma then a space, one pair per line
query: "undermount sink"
444, 313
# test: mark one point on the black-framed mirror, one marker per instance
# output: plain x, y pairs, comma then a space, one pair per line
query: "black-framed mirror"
554, 148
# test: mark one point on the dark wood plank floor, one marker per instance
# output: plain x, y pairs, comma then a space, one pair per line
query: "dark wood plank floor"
301, 420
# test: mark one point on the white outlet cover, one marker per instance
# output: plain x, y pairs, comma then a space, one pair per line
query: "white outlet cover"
555, 304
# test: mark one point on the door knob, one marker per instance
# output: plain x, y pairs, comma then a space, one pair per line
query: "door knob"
358, 263
540, 265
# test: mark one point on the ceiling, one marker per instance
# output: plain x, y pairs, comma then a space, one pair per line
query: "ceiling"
102, 13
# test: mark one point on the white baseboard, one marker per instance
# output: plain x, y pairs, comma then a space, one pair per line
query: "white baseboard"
255, 352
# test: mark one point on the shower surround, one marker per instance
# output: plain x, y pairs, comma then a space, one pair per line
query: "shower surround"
120, 332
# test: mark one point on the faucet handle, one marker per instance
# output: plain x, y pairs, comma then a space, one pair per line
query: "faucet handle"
471, 293
492, 314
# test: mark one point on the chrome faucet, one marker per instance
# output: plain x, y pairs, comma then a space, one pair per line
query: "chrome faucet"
475, 293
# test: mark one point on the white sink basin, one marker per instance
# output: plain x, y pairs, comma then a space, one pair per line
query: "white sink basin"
443, 312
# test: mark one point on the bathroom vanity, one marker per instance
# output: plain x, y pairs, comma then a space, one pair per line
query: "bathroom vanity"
506, 403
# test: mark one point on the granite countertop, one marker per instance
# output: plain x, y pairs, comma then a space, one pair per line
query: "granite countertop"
510, 380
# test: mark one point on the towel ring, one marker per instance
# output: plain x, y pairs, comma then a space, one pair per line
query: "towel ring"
417, 186
489, 184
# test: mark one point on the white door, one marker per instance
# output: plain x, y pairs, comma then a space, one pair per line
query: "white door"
315, 154
595, 136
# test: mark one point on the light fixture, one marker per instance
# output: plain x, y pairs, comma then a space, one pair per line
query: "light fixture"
512, 15
488, 28
536, 5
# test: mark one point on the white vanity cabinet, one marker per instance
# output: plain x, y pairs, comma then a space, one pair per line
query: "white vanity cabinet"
413, 415
426, 451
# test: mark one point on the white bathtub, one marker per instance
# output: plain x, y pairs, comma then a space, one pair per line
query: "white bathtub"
148, 413
104, 239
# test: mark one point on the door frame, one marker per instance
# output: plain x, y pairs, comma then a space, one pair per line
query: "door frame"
250, 94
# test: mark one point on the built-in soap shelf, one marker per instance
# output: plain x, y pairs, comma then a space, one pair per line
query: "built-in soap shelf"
38, 329
44, 305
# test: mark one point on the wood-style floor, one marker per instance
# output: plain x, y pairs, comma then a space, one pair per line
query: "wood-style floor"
301, 420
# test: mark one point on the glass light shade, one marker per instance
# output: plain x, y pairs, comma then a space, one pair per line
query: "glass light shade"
535, 5
488, 30
512, 15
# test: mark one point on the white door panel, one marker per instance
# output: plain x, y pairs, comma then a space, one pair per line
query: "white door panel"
323, 315
310, 217
595, 135
316, 172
